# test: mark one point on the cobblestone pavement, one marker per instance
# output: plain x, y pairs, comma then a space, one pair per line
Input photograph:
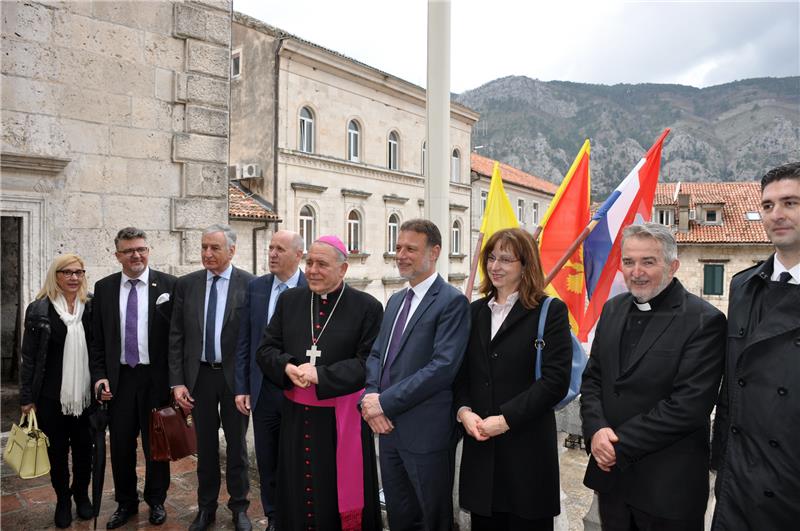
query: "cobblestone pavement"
29, 504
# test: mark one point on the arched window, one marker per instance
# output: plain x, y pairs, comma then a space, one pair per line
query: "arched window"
391, 234
394, 149
307, 226
455, 238
455, 167
353, 134
306, 128
424, 157
353, 232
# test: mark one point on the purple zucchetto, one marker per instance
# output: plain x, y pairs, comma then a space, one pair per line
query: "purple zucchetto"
334, 242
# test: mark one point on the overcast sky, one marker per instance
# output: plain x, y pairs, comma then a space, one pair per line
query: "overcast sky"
600, 41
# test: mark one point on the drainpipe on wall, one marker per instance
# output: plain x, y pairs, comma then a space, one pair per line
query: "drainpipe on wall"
275, 120
256, 230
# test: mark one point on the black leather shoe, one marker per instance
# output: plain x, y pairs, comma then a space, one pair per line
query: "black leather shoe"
241, 522
121, 516
158, 515
63, 516
84, 507
203, 520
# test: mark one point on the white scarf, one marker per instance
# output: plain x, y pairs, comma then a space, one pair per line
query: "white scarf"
75, 393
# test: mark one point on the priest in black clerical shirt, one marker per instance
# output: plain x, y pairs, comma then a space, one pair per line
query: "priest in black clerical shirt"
648, 391
315, 348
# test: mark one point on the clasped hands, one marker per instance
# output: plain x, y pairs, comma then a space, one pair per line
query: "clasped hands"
483, 429
302, 375
603, 448
372, 413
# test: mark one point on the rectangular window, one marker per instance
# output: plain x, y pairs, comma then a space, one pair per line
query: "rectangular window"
236, 64
521, 211
535, 208
712, 216
484, 197
665, 216
712, 279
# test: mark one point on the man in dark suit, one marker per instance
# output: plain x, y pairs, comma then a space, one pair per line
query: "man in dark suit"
202, 358
408, 398
648, 391
129, 357
756, 442
253, 393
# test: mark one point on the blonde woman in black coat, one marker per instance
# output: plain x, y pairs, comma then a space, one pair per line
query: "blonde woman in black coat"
54, 380
509, 466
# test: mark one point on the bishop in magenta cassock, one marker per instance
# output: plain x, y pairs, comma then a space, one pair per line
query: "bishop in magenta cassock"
315, 348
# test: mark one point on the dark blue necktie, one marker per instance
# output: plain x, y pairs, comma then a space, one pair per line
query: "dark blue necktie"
785, 277
211, 321
397, 336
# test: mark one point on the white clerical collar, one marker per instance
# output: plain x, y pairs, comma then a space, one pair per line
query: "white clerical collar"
778, 268
642, 306
324, 296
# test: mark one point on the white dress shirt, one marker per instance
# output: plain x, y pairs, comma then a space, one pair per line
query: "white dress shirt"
222, 297
779, 268
501, 311
419, 293
291, 282
143, 298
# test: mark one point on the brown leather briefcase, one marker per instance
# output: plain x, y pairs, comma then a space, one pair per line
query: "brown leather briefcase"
172, 434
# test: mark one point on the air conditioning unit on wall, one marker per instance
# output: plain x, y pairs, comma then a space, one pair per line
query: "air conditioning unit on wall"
250, 171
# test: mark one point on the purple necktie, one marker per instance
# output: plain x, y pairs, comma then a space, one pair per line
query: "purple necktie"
397, 336
132, 326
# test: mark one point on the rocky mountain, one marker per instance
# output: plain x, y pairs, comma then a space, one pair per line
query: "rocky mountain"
729, 132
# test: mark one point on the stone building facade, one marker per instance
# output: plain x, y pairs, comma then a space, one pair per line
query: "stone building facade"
530, 196
114, 114
335, 146
719, 232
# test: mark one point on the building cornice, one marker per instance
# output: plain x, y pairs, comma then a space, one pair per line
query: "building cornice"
312, 160
35, 163
326, 60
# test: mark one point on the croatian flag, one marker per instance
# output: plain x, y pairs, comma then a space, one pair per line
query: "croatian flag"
631, 201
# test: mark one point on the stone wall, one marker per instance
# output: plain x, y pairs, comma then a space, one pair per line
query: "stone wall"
123, 108
733, 258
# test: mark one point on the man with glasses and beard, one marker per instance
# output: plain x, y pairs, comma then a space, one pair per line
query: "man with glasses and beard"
648, 391
129, 356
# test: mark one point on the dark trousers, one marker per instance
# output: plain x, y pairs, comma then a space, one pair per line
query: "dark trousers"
66, 432
418, 487
509, 522
266, 432
617, 515
129, 415
214, 402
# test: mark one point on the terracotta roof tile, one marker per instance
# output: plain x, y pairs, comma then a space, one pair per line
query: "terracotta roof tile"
484, 166
736, 198
245, 206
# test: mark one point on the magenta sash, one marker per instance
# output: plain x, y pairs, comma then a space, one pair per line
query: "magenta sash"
349, 457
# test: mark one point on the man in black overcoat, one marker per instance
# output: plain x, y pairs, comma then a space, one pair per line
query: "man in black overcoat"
648, 391
756, 433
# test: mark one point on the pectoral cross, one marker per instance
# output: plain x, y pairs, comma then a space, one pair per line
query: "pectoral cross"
313, 353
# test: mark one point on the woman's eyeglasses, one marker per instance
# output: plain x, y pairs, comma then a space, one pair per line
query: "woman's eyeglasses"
77, 273
504, 260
